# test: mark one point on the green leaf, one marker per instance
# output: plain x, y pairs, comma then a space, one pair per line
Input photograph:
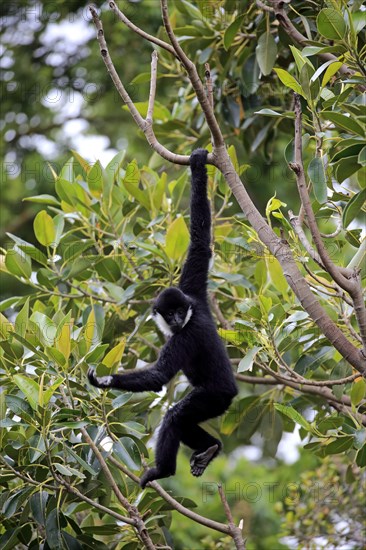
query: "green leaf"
353, 207
21, 322
83, 163
331, 24
361, 457
250, 76
94, 325
232, 30
53, 530
247, 362
316, 173
362, 157
29, 249
266, 52
289, 81
339, 445
108, 269
44, 228
177, 239
38, 503
29, 387
94, 179
344, 122
300, 59
18, 264
18, 406
290, 412
45, 327
358, 391
127, 451
67, 471
43, 199
51, 390
131, 182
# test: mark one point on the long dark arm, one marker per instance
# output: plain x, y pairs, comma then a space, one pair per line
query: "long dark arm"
195, 270
150, 378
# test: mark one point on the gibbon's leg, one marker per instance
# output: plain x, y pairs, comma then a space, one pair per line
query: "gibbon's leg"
180, 420
166, 449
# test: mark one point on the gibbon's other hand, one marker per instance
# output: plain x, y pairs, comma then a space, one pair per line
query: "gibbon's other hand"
98, 382
198, 158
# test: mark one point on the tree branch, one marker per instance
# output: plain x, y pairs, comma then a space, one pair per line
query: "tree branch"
236, 532
140, 121
194, 78
132, 510
207, 522
139, 31
346, 278
150, 109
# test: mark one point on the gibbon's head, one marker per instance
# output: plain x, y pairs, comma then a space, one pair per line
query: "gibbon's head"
172, 310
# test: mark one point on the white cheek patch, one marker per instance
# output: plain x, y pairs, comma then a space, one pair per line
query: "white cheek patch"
107, 380
188, 316
162, 324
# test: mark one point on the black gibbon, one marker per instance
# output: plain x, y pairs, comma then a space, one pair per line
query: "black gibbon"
194, 347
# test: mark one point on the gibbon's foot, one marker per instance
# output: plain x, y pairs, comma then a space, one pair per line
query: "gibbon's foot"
200, 460
151, 474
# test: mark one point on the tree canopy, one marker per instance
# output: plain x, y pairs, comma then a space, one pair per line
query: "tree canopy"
275, 92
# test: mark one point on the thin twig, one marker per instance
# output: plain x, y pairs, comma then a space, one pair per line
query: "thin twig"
150, 109
139, 31
209, 84
235, 531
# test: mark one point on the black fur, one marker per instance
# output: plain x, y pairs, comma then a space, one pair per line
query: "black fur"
194, 347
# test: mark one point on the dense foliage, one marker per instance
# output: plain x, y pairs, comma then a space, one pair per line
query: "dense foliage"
106, 239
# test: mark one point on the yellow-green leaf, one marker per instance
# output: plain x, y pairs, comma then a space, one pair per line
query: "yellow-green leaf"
114, 355
5, 327
44, 228
331, 71
289, 81
277, 276
177, 239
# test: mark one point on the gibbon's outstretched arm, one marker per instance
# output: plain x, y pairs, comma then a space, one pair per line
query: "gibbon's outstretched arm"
151, 378
193, 280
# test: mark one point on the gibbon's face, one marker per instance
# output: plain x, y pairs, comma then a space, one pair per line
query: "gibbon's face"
172, 310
